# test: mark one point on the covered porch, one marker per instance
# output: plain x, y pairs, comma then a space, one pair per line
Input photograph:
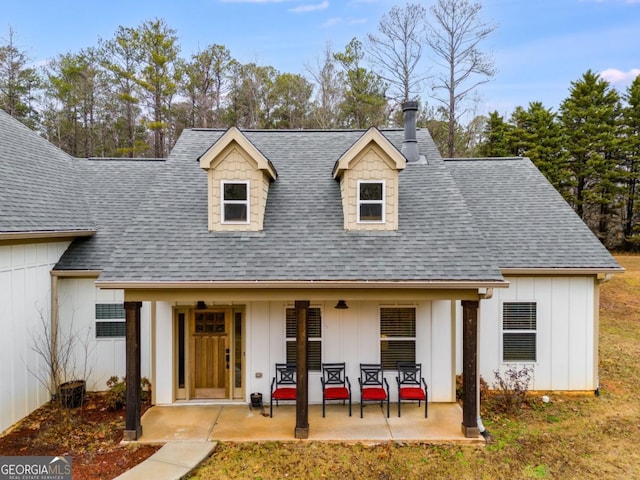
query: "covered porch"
242, 423
356, 335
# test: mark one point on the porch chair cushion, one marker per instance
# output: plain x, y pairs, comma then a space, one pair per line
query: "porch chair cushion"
283, 385
335, 384
411, 385
373, 386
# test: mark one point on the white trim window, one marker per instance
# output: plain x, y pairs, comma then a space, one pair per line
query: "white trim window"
397, 336
519, 332
371, 194
314, 335
235, 201
110, 320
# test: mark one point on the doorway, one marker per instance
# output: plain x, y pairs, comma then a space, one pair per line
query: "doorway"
209, 353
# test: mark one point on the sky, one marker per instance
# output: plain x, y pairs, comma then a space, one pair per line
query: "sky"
539, 46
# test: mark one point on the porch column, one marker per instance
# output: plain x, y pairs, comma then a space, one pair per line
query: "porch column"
302, 386
471, 399
133, 428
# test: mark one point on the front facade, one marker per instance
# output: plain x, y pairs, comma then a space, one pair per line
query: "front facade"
205, 256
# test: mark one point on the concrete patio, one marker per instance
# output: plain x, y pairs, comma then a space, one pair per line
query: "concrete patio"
241, 423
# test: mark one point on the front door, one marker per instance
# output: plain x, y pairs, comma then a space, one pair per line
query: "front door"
210, 354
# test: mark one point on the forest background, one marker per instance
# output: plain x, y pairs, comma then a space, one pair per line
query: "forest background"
131, 95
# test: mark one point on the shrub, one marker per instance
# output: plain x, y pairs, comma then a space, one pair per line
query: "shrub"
511, 389
484, 388
116, 395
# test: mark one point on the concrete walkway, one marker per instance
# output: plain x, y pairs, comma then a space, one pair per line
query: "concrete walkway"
172, 462
191, 432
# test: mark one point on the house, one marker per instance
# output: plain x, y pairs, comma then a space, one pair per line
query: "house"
194, 271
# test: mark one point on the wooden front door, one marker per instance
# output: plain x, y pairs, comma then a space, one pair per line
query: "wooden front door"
210, 354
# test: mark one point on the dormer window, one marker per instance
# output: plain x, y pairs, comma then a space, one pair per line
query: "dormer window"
238, 179
235, 202
371, 202
368, 175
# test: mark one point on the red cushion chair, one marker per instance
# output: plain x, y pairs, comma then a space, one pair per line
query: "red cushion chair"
283, 385
411, 385
373, 386
335, 384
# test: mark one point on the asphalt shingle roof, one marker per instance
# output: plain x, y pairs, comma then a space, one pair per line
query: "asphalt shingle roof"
115, 188
459, 220
39, 185
525, 221
303, 236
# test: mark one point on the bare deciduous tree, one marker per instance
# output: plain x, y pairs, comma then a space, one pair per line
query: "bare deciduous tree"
454, 32
397, 49
329, 90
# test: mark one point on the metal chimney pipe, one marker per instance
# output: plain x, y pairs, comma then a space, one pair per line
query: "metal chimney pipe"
410, 142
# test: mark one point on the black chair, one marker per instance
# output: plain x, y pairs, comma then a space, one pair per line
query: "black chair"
411, 385
283, 385
335, 384
373, 386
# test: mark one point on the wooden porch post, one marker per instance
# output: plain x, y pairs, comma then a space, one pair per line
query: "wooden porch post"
471, 399
302, 384
133, 428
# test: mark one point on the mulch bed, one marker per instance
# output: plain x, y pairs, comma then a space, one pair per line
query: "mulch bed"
90, 434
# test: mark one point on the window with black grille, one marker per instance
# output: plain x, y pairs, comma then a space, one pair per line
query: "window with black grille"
110, 320
397, 336
519, 331
314, 334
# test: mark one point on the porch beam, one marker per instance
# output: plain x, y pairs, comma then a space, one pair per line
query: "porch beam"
471, 396
133, 426
302, 382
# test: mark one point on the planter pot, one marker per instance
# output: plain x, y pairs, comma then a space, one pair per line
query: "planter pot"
71, 393
256, 400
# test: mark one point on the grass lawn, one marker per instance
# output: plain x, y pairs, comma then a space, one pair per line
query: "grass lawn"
571, 437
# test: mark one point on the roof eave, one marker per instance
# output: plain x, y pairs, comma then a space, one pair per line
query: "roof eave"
45, 234
561, 271
320, 284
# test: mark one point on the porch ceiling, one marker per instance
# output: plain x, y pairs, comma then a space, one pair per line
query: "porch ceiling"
243, 295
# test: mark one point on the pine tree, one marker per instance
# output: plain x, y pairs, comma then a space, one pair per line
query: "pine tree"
538, 134
631, 164
590, 117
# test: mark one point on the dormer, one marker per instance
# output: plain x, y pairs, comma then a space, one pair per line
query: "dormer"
238, 183
368, 175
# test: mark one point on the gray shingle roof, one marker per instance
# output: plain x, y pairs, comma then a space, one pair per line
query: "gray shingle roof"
115, 188
459, 220
303, 237
525, 221
39, 187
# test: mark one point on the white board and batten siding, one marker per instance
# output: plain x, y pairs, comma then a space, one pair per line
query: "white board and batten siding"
351, 336
25, 303
77, 305
566, 331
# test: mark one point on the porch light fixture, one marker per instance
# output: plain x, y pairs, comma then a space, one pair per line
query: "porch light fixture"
341, 305
201, 305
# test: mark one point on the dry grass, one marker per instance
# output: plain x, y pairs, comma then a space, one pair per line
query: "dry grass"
572, 437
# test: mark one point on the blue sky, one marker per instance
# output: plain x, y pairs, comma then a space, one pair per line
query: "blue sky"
540, 46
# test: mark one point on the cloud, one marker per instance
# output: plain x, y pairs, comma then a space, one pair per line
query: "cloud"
253, 1
331, 22
310, 8
616, 76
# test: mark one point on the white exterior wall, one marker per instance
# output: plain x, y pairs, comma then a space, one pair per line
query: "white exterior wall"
77, 298
566, 331
25, 303
351, 336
